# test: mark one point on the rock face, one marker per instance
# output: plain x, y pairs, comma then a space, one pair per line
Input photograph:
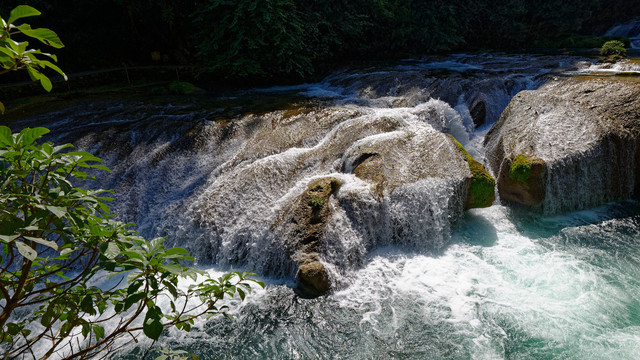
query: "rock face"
315, 210
302, 226
570, 145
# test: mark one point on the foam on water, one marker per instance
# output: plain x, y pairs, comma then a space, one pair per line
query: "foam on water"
414, 277
509, 286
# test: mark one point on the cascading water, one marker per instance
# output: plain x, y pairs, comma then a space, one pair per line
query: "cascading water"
415, 276
630, 29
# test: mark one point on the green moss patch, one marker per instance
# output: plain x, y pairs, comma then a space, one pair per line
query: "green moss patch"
520, 168
482, 190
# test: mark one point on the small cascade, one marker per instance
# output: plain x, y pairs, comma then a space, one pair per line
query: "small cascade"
413, 275
218, 182
630, 29
624, 67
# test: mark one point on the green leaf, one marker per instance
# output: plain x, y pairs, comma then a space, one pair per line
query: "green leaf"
112, 251
8, 238
13, 329
133, 299
84, 156
47, 36
87, 305
57, 210
44, 242
177, 251
175, 269
22, 11
152, 326
5, 136
99, 331
30, 135
38, 76
2, 109
135, 286
26, 250
50, 65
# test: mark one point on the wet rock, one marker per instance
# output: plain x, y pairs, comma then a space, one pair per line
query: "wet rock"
301, 229
523, 181
581, 139
478, 111
480, 185
313, 278
403, 158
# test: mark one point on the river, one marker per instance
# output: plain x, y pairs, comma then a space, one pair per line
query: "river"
492, 283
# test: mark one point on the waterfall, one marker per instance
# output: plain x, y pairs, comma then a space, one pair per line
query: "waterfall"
414, 276
630, 29
216, 182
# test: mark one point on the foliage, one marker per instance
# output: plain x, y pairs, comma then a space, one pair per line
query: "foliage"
613, 47
15, 55
293, 38
252, 37
182, 87
58, 239
520, 168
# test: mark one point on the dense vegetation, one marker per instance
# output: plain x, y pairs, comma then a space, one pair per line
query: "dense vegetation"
59, 241
269, 38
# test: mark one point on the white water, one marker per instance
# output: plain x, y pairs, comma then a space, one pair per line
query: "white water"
489, 283
630, 29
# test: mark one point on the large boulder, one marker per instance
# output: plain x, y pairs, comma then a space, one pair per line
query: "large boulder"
312, 209
570, 145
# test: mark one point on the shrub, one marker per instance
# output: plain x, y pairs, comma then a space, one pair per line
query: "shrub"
316, 203
57, 239
613, 48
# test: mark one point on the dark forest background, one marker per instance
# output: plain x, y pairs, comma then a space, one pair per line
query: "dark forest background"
295, 39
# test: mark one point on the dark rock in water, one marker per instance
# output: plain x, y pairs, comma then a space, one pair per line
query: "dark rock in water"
580, 139
302, 227
478, 111
313, 278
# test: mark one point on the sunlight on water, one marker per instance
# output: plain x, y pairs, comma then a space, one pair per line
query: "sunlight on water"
415, 276
511, 285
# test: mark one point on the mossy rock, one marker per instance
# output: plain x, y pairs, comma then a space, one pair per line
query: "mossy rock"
313, 279
482, 185
302, 228
522, 180
520, 168
183, 87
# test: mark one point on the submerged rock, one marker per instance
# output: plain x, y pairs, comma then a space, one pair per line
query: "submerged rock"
570, 145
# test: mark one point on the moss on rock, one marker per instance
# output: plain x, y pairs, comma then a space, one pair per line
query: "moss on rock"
520, 168
522, 180
302, 227
482, 186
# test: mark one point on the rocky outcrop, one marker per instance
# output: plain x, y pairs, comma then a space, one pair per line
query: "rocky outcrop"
569, 145
480, 185
302, 226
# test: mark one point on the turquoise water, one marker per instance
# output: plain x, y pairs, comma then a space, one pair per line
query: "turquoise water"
511, 285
